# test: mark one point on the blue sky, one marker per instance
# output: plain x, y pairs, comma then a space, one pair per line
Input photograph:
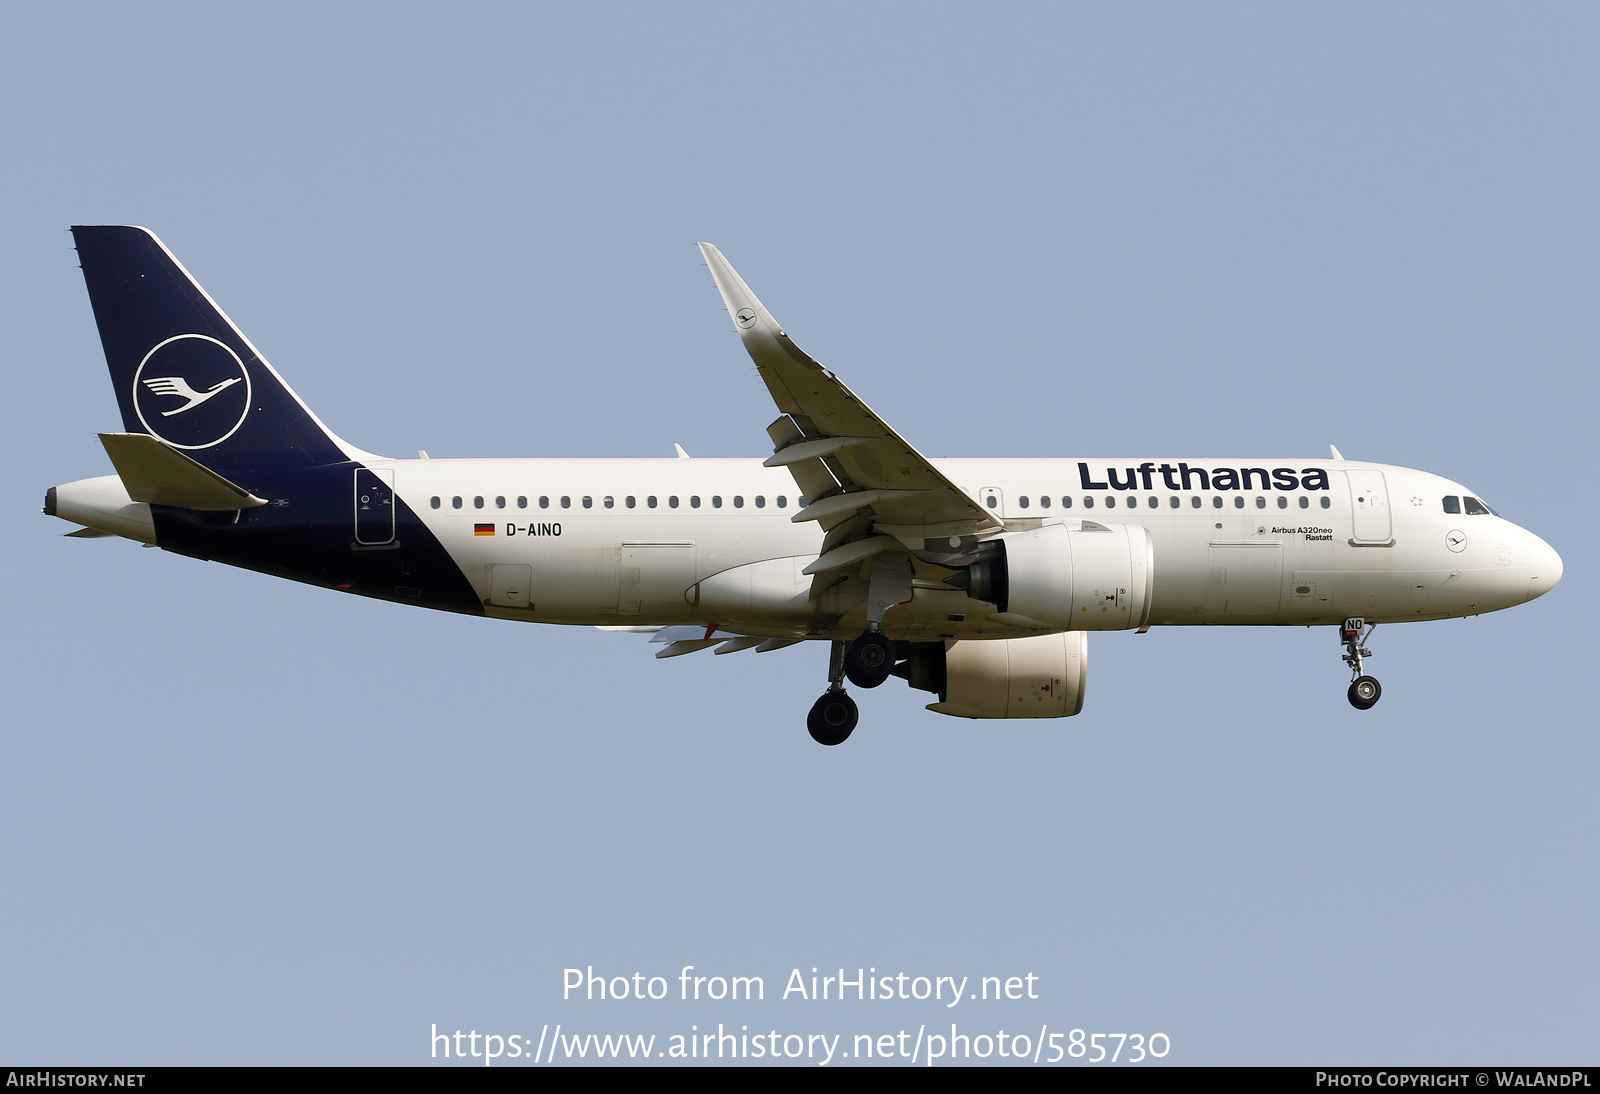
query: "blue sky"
243, 821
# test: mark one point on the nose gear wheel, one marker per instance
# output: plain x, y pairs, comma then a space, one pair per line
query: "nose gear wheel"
1364, 692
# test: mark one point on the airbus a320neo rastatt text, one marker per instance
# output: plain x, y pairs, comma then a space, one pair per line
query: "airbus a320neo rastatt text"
976, 580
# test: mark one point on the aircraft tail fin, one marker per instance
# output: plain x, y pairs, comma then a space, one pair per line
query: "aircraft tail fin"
183, 372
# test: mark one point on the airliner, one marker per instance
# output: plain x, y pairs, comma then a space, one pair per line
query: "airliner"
975, 580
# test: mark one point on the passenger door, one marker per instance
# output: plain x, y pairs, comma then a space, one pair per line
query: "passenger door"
374, 506
1369, 500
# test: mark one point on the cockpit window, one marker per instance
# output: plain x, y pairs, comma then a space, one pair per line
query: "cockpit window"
1452, 505
1476, 508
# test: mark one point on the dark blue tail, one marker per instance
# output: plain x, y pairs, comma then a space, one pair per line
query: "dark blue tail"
182, 371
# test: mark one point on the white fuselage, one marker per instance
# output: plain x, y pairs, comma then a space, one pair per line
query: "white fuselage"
718, 545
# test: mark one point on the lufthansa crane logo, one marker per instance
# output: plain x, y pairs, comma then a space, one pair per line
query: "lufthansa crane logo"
745, 317
191, 391
177, 385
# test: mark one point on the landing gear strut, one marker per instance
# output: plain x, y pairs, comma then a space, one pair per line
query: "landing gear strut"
1364, 690
833, 716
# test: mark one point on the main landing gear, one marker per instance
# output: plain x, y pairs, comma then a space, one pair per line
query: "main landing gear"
1364, 690
866, 662
833, 717
870, 657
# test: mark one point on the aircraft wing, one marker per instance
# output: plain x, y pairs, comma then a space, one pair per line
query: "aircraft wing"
856, 473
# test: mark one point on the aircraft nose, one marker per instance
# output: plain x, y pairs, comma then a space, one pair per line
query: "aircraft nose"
1546, 569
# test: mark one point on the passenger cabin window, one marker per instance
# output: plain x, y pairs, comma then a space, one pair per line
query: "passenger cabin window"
1452, 505
1021, 501
991, 501
455, 502
522, 501
1174, 503
1216, 503
1325, 503
566, 501
1194, 502
434, 501
544, 502
1261, 502
1111, 503
500, 503
716, 501
650, 501
588, 502
1305, 502
1066, 502
1155, 501
694, 501
1476, 508
609, 502
672, 502
761, 501
738, 501
783, 502
630, 501
1238, 503
1088, 502
477, 503
1044, 501
1283, 502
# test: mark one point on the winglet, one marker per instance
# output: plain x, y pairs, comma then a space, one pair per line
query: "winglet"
764, 339
1335, 451
749, 314
158, 474
842, 455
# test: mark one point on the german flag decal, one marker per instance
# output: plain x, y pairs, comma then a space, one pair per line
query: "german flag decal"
483, 529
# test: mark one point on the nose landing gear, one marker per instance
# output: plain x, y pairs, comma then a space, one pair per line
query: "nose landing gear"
1364, 690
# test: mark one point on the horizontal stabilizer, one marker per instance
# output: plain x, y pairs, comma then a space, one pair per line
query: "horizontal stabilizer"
158, 474
86, 533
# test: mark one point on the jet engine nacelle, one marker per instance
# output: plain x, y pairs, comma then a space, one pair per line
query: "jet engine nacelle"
1097, 577
1038, 677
